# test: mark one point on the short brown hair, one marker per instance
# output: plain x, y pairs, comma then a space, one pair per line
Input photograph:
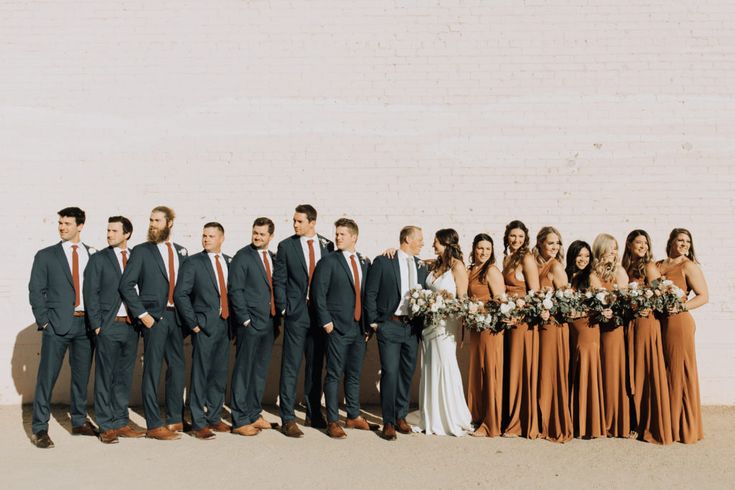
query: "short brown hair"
308, 210
127, 226
406, 232
214, 224
167, 211
349, 224
262, 221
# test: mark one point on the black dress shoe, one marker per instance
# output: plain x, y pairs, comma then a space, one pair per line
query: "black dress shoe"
85, 429
319, 423
42, 440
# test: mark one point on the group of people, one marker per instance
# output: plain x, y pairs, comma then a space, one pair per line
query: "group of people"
556, 381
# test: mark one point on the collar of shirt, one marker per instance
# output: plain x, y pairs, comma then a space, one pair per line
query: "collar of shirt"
403, 255
67, 246
305, 239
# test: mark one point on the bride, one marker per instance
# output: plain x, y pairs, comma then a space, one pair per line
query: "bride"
442, 406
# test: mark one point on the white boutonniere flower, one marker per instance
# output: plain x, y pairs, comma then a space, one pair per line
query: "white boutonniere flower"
183, 251
323, 241
228, 259
91, 250
421, 264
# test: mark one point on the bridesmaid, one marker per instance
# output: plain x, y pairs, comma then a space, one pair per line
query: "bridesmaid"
651, 395
485, 383
606, 273
553, 387
678, 337
585, 369
520, 400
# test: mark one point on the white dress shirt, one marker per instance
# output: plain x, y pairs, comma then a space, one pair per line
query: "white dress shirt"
305, 249
347, 256
83, 261
222, 263
163, 248
270, 261
403, 265
123, 311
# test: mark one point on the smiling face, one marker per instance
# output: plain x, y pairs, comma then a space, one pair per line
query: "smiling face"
69, 230
438, 247
611, 255
302, 226
516, 239
414, 243
261, 238
483, 251
212, 239
344, 239
582, 259
681, 246
639, 246
550, 247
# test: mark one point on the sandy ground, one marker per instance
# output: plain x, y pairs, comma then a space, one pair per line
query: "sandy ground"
363, 460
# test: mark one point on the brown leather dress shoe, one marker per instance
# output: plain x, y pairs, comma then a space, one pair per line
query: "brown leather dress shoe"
403, 426
290, 429
262, 424
41, 440
86, 429
204, 433
335, 431
178, 427
359, 423
220, 427
389, 432
109, 437
130, 432
246, 430
162, 434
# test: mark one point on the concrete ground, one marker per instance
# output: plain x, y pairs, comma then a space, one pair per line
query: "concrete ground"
363, 460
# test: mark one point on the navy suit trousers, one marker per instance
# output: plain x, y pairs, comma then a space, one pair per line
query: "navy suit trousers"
398, 343
211, 348
254, 349
345, 355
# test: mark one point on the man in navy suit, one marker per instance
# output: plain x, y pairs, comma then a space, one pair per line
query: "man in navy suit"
116, 336
203, 306
147, 287
255, 322
388, 284
57, 301
337, 291
297, 257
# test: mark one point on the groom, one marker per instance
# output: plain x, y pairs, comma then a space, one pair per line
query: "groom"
386, 291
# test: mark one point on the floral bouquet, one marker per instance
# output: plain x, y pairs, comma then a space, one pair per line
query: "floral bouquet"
537, 307
602, 306
640, 300
667, 297
481, 316
432, 306
507, 312
567, 304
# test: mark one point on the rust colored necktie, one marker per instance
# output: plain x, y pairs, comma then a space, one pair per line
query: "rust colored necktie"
124, 253
75, 273
223, 304
312, 259
270, 281
358, 300
171, 273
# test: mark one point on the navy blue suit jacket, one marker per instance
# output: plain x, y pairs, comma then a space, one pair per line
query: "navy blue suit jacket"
102, 298
383, 288
51, 289
249, 290
333, 291
196, 296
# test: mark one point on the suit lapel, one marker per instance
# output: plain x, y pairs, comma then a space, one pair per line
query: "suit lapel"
259, 261
364, 267
158, 259
110, 254
396, 272
300, 253
207, 264
346, 268
61, 257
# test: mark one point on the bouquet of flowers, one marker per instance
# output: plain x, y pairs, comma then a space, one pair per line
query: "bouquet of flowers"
432, 306
567, 304
507, 312
481, 316
537, 307
603, 306
640, 300
667, 297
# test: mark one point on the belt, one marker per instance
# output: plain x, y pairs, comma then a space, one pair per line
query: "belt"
399, 318
121, 319
170, 308
79, 314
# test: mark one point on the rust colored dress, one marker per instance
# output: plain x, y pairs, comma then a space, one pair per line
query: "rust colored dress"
485, 376
615, 382
651, 387
681, 367
553, 378
585, 380
520, 398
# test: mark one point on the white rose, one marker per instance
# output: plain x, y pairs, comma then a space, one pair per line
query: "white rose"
560, 294
548, 304
587, 294
648, 293
568, 293
602, 297
506, 308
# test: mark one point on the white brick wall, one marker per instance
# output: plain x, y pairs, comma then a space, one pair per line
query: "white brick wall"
592, 116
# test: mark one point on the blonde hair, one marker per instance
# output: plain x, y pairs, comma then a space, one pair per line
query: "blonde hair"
604, 269
541, 238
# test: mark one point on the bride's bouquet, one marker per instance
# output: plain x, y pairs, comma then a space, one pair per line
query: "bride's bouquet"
434, 307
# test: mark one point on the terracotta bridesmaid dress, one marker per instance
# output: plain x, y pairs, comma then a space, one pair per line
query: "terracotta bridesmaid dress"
586, 381
651, 392
520, 370
681, 367
553, 382
615, 381
485, 383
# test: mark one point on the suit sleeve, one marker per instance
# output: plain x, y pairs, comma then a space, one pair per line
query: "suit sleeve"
372, 285
91, 288
129, 280
280, 276
320, 288
37, 287
182, 294
237, 278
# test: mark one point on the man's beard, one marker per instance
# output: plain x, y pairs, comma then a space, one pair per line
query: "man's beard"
158, 236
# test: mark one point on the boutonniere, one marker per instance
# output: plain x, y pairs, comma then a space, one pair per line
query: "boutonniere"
363, 259
183, 251
421, 263
323, 241
91, 250
228, 259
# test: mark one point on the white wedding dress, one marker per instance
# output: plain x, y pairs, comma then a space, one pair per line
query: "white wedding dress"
442, 406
